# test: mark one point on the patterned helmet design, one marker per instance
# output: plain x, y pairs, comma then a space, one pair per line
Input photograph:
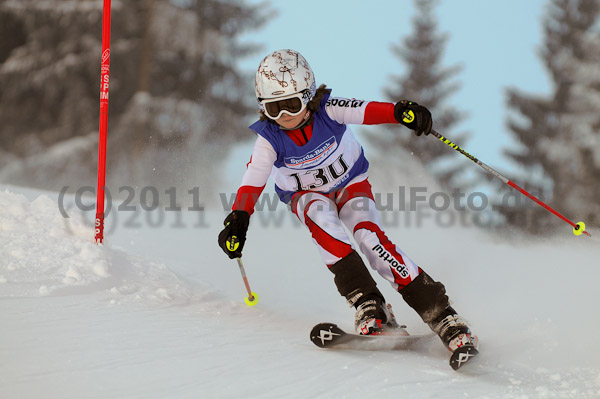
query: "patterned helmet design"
282, 73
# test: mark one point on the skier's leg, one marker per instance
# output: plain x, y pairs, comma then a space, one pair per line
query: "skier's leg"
355, 283
426, 296
361, 217
352, 278
319, 214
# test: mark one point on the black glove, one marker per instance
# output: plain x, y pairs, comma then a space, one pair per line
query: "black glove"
233, 236
414, 116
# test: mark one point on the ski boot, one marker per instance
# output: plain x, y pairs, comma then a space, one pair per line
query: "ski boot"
428, 298
453, 330
456, 335
354, 282
373, 316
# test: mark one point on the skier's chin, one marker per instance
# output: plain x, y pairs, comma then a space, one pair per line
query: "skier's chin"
287, 123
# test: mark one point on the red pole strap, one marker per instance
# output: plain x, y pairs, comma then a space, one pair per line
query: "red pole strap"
104, 78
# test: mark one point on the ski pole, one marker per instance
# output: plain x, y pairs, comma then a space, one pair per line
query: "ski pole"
232, 245
578, 228
252, 298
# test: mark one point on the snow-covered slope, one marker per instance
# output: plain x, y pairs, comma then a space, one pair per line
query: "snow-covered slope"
158, 312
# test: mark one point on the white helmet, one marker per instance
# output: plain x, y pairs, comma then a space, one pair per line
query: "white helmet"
284, 74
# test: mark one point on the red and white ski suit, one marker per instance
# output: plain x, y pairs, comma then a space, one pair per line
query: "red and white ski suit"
322, 202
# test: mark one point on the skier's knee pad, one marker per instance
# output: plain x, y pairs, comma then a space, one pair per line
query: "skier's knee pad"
426, 296
352, 277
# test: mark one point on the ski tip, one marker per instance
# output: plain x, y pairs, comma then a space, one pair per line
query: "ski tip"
462, 355
323, 334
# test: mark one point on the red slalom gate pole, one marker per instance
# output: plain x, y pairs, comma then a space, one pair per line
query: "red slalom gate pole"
578, 228
104, 78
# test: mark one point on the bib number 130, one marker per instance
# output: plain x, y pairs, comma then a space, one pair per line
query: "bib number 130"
311, 179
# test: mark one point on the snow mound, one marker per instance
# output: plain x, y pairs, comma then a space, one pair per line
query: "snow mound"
44, 254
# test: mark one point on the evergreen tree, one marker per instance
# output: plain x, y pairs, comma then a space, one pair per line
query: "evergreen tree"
559, 134
175, 92
429, 83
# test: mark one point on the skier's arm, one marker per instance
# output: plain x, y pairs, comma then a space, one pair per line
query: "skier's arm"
255, 178
233, 236
361, 112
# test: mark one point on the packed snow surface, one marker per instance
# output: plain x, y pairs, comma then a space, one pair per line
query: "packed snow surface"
158, 311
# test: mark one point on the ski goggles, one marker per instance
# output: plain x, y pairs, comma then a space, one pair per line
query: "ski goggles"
292, 105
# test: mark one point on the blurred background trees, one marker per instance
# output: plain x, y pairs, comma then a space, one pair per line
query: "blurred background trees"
427, 81
179, 101
175, 91
558, 134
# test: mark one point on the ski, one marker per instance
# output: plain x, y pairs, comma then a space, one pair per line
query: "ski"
462, 355
330, 336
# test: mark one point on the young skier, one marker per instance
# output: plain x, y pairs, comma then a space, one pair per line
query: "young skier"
321, 171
